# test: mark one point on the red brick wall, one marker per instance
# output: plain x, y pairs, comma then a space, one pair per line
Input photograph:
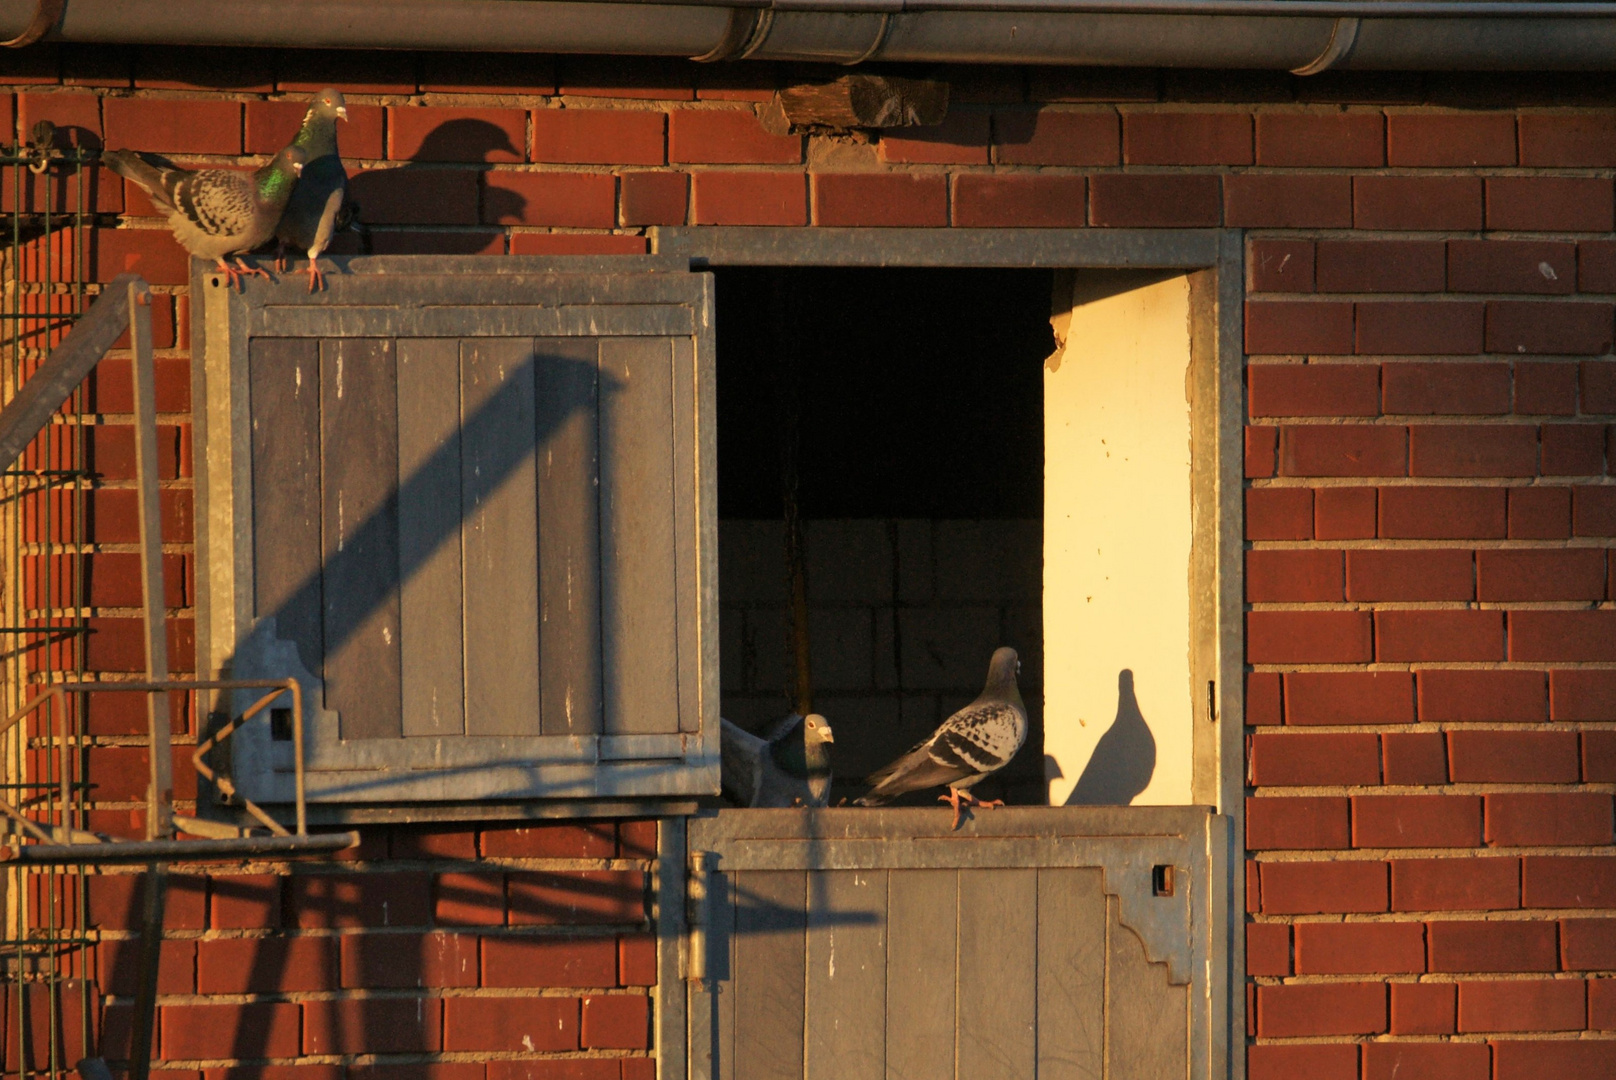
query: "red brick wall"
1432, 649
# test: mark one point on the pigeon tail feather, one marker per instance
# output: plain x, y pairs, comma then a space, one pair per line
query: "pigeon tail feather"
153, 179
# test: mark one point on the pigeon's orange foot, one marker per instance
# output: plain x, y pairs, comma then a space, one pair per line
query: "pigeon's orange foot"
316, 277
958, 800
243, 270
280, 260
232, 276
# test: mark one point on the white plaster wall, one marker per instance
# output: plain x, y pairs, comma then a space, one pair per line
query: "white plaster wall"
1117, 548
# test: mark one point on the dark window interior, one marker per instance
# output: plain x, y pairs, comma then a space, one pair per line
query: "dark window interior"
917, 397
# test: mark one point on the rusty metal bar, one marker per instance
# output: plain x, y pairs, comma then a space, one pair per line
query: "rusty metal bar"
172, 851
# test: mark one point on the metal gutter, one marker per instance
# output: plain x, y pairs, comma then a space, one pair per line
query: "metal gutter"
1307, 36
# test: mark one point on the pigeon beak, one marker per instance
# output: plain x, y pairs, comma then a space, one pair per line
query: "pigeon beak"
342, 112
825, 733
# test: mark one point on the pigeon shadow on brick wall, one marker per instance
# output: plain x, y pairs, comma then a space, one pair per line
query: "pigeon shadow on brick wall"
1123, 760
437, 204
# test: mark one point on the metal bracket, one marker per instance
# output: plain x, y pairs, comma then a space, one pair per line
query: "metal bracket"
47, 13
1343, 36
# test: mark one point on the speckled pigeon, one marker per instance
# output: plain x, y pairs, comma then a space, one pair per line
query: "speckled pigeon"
974, 743
216, 212
312, 216
788, 766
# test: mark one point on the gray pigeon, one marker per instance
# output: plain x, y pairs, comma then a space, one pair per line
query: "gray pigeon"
788, 766
974, 743
216, 212
312, 215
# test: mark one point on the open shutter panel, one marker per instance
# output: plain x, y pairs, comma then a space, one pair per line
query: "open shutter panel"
470, 504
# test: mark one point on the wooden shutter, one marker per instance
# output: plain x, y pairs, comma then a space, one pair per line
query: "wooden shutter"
470, 503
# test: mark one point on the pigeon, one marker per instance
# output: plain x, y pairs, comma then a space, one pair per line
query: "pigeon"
315, 212
788, 766
216, 212
975, 742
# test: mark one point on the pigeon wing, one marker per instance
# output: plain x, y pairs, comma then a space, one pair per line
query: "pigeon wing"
216, 202
741, 763
983, 736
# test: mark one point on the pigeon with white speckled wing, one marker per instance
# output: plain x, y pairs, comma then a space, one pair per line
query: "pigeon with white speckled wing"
973, 744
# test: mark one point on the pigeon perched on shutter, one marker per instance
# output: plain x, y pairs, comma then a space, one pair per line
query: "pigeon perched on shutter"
216, 212
788, 766
974, 743
314, 213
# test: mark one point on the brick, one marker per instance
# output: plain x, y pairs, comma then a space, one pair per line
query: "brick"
530, 962
1417, 203
729, 137
1268, 949
1426, 1060
1453, 636
1598, 382
1316, 201
1280, 266
245, 902
636, 960
751, 198
1410, 575
1313, 389
363, 899
1416, 821
1447, 513
961, 139
576, 244
152, 253
598, 137
118, 967
1582, 695
1532, 819
880, 199
432, 843
1473, 450
1279, 326
408, 961
1306, 823
373, 1026
256, 1030
121, 773
1446, 389
1344, 513
1316, 1061
566, 1069
576, 200
1574, 140
1548, 326
1262, 698
1539, 513
1594, 511
1415, 758
577, 897
1568, 881
1568, 574
412, 196
510, 1024
1583, 1059
1588, 944
1550, 203
1596, 266
173, 125
1311, 888
1469, 696
1279, 514
1511, 266
487, 73
1308, 637
1560, 636
1162, 201
551, 840
1186, 138
1419, 327
471, 899
1466, 884
1599, 757
1520, 757
1296, 576
116, 901
1487, 946
378, 72
456, 134
1450, 139
616, 1022
1396, 948
1019, 201
1321, 1009
1315, 140
1546, 388
459, 242
1057, 137
1343, 450
1339, 697
265, 965
1424, 1009
1572, 450
1395, 266
1262, 451
1602, 1004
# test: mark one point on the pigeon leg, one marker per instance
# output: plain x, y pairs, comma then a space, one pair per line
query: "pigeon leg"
232, 276
250, 271
953, 799
316, 277
987, 804
280, 258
